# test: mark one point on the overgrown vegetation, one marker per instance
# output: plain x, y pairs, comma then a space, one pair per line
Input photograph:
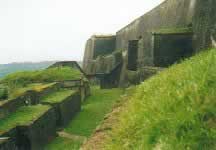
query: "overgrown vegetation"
19, 82
15, 92
23, 116
6, 69
175, 109
93, 111
57, 97
47, 75
61, 143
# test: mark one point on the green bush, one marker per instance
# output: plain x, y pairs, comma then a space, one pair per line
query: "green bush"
175, 109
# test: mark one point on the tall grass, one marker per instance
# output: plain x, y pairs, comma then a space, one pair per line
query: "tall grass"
175, 109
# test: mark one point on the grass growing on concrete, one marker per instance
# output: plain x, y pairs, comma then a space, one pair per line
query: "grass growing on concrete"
93, 111
64, 144
175, 109
13, 93
57, 97
23, 116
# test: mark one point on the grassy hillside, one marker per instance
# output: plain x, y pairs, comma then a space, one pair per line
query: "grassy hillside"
6, 69
175, 109
46, 75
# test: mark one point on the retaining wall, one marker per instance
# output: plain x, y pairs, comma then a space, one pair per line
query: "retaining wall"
35, 135
66, 109
8, 144
28, 98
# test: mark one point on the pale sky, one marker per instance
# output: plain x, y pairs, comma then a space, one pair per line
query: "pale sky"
39, 30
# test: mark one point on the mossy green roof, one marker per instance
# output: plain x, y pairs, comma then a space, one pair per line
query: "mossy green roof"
23, 116
20, 91
57, 97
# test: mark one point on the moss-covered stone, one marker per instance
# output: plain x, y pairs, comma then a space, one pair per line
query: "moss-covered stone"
23, 116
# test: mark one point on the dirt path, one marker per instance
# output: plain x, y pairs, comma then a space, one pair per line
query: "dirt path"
72, 137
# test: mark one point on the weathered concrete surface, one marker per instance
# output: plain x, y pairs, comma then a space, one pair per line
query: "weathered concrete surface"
171, 48
35, 135
98, 45
107, 69
204, 24
199, 15
30, 97
7, 144
170, 14
104, 64
66, 109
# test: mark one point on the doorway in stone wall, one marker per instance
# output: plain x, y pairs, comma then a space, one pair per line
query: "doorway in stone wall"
132, 55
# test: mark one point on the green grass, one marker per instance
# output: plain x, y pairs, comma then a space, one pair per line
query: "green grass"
57, 97
19, 82
23, 116
63, 144
93, 111
173, 30
47, 75
175, 109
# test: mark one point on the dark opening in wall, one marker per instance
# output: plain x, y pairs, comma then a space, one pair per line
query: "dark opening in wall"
132, 55
171, 48
104, 45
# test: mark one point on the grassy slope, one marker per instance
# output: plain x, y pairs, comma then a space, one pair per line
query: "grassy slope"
46, 75
175, 109
93, 112
6, 69
18, 82
22, 116
61, 143
57, 97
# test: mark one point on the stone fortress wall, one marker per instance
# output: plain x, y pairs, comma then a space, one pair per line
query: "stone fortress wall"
172, 31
